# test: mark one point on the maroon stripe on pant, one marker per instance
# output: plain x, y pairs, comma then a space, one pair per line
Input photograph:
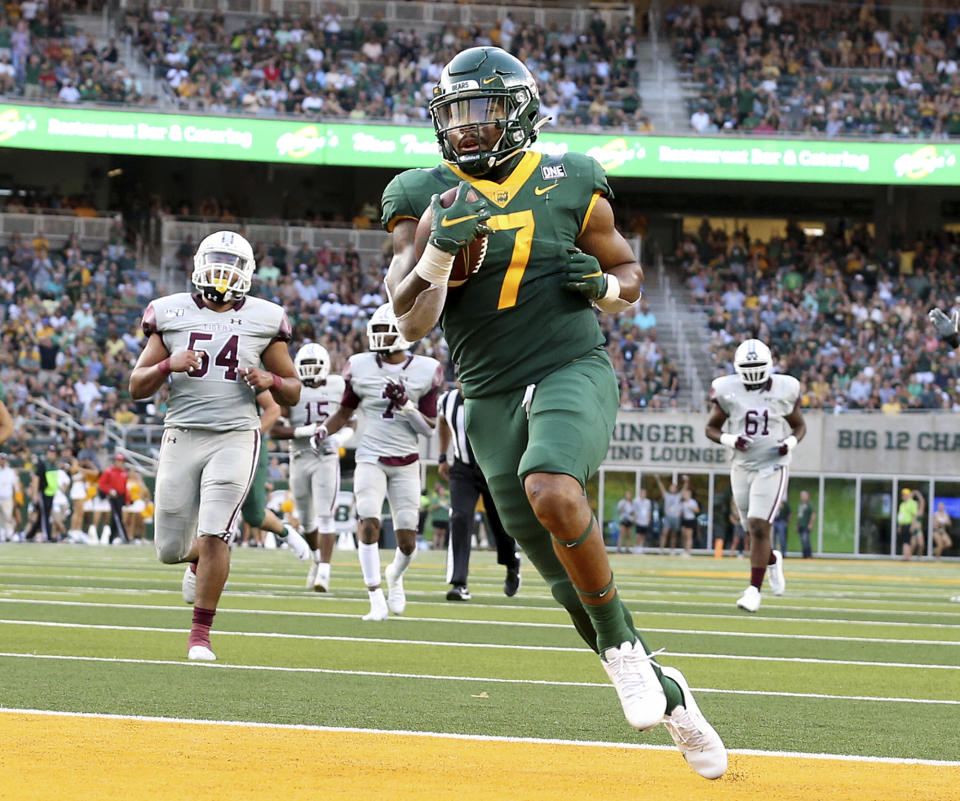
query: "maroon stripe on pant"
781, 491
253, 469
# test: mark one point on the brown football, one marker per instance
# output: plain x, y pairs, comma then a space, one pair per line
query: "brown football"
470, 258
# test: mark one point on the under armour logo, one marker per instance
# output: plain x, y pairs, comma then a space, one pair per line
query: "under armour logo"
236, 320
173, 440
752, 355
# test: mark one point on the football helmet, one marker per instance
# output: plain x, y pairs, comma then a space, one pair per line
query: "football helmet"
753, 363
312, 363
383, 333
223, 267
485, 86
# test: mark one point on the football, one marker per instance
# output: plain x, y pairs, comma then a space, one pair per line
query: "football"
470, 258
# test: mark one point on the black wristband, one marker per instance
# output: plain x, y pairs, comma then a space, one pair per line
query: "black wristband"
953, 340
442, 458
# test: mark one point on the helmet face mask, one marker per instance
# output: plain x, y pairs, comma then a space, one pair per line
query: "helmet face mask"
382, 332
223, 267
753, 363
485, 108
312, 364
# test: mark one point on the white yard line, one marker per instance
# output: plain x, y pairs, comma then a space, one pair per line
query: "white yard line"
494, 646
638, 619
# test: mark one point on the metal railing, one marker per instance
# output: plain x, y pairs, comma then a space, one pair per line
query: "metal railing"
685, 351
58, 228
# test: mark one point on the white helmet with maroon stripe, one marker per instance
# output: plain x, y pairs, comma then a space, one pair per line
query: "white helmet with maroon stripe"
312, 363
753, 363
383, 333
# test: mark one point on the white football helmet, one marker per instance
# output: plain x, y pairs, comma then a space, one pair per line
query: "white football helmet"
223, 267
753, 362
313, 364
383, 333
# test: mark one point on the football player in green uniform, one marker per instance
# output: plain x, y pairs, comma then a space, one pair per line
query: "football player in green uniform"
541, 394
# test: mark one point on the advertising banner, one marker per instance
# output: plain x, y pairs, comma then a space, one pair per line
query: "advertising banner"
69, 129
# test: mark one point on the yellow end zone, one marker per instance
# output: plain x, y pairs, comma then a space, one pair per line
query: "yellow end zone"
49, 756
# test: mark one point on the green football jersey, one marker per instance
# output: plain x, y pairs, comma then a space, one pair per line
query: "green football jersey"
513, 322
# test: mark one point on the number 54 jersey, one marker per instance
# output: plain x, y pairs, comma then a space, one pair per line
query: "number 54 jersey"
759, 414
213, 396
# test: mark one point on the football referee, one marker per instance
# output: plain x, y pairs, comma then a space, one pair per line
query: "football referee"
466, 485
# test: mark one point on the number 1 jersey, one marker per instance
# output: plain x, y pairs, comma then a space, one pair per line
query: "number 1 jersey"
213, 396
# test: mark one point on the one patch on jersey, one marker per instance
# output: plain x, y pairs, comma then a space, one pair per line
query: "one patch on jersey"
551, 172
177, 312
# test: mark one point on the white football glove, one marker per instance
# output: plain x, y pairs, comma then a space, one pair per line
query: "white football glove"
947, 327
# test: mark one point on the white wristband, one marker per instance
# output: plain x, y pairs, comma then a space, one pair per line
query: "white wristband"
304, 431
730, 440
611, 301
434, 265
790, 442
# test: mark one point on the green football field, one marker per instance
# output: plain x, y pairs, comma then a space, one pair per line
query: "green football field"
859, 659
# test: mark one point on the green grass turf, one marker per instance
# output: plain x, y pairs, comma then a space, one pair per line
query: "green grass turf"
104, 630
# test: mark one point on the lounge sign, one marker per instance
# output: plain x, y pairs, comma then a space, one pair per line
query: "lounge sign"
905, 445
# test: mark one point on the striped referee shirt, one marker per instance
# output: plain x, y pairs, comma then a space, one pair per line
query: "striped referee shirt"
451, 406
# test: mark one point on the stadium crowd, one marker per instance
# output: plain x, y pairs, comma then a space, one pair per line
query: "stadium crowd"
361, 69
42, 59
827, 68
325, 66
843, 314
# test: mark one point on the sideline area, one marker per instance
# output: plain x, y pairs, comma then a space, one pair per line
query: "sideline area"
90, 758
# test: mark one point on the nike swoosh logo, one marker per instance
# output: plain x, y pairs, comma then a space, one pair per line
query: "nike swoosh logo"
543, 190
446, 222
490, 80
597, 274
603, 593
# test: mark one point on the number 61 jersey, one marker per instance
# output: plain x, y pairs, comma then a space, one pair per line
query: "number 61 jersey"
759, 414
213, 396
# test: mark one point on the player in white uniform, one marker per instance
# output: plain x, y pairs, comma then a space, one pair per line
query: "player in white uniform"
398, 394
210, 348
757, 414
315, 475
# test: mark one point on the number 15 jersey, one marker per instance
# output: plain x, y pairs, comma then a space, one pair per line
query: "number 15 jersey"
213, 396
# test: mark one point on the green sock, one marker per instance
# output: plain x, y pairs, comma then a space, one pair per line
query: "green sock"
612, 629
672, 690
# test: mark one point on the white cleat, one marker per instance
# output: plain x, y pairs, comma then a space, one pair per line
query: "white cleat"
321, 582
296, 543
200, 653
396, 597
631, 670
189, 586
697, 740
312, 575
750, 600
378, 606
775, 574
